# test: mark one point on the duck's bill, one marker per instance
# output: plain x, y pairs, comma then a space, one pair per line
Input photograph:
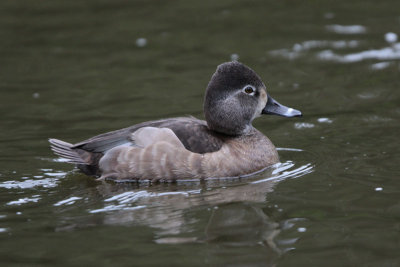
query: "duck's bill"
274, 108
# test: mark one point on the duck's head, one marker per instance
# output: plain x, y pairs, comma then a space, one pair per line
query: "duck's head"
235, 96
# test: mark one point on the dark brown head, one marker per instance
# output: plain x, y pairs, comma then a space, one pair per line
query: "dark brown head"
235, 96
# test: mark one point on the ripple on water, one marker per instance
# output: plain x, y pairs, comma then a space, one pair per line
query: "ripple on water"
324, 120
369, 95
283, 172
24, 200
391, 37
303, 125
124, 201
300, 49
386, 53
68, 201
217, 190
376, 118
30, 183
47, 179
346, 29
391, 52
121, 207
381, 65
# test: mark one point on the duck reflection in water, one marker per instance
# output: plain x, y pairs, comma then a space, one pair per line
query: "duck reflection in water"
236, 217
236, 209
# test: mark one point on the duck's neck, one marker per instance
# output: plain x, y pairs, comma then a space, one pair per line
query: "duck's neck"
246, 130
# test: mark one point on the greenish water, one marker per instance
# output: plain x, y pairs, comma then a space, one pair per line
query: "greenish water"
73, 69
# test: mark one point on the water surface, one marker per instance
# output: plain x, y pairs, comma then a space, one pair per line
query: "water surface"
73, 69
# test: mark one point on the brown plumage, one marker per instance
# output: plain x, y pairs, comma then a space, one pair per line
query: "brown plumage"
225, 145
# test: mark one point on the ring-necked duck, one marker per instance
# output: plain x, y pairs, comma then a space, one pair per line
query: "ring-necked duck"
225, 145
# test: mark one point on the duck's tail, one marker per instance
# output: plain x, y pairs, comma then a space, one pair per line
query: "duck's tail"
64, 150
86, 161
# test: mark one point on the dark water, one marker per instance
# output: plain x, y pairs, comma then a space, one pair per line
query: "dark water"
73, 69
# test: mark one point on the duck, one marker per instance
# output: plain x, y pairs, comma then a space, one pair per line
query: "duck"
225, 144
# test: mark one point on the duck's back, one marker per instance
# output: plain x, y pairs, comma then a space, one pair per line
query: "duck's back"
193, 133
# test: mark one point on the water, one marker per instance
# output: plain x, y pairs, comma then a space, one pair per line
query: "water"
73, 69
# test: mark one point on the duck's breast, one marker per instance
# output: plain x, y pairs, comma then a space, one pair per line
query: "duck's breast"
241, 156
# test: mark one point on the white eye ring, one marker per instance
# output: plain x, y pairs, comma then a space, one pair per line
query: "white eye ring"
249, 90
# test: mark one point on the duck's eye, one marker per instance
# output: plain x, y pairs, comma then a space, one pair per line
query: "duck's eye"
249, 90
